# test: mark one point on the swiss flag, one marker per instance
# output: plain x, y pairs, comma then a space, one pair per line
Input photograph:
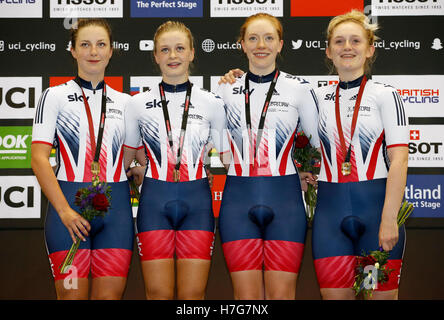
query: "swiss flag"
414, 134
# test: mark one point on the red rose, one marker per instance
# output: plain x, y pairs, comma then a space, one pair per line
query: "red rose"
301, 141
100, 202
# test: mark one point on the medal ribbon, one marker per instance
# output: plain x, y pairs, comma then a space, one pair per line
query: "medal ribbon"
354, 120
95, 150
263, 113
184, 122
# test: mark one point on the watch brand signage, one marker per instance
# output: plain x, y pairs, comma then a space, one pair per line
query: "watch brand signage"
408, 7
86, 9
246, 8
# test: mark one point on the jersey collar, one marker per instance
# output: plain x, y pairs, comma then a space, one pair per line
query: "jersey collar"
88, 85
351, 84
175, 88
261, 79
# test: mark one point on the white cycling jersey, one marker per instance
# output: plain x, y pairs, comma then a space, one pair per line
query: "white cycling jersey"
145, 123
61, 120
292, 103
382, 123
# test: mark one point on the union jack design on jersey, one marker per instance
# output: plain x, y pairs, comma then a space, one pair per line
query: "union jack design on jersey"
293, 103
61, 121
145, 124
382, 123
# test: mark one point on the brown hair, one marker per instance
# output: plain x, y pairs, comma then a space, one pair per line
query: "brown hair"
361, 19
82, 23
275, 21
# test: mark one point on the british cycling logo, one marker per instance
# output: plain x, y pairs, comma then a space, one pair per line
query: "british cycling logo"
21, 9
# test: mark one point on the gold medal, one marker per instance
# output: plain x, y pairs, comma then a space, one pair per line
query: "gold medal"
176, 175
346, 168
95, 168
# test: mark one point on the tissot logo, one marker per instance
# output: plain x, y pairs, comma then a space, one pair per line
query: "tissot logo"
407, 7
426, 146
86, 8
18, 96
20, 197
245, 8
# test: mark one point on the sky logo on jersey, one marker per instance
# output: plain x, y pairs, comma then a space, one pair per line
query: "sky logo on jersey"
245, 8
166, 8
426, 146
86, 9
19, 96
408, 7
15, 147
323, 8
21, 9
114, 82
425, 193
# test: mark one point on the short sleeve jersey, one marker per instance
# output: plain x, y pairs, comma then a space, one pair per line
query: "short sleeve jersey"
292, 104
61, 120
382, 123
145, 124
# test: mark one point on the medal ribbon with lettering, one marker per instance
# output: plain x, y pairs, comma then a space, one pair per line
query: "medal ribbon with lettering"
176, 171
346, 165
263, 115
95, 149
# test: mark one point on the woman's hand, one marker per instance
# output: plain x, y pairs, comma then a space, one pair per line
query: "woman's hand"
138, 172
388, 233
308, 178
230, 76
210, 177
76, 224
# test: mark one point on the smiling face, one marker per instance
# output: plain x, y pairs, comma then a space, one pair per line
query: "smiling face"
92, 51
349, 50
261, 44
173, 53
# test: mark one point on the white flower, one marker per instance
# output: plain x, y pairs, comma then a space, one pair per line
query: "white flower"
377, 265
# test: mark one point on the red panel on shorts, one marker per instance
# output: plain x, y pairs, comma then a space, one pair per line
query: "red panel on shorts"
110, 262
194, 244
394, 276
241, 255
157, 244
283, 255
80, 266
336, 272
